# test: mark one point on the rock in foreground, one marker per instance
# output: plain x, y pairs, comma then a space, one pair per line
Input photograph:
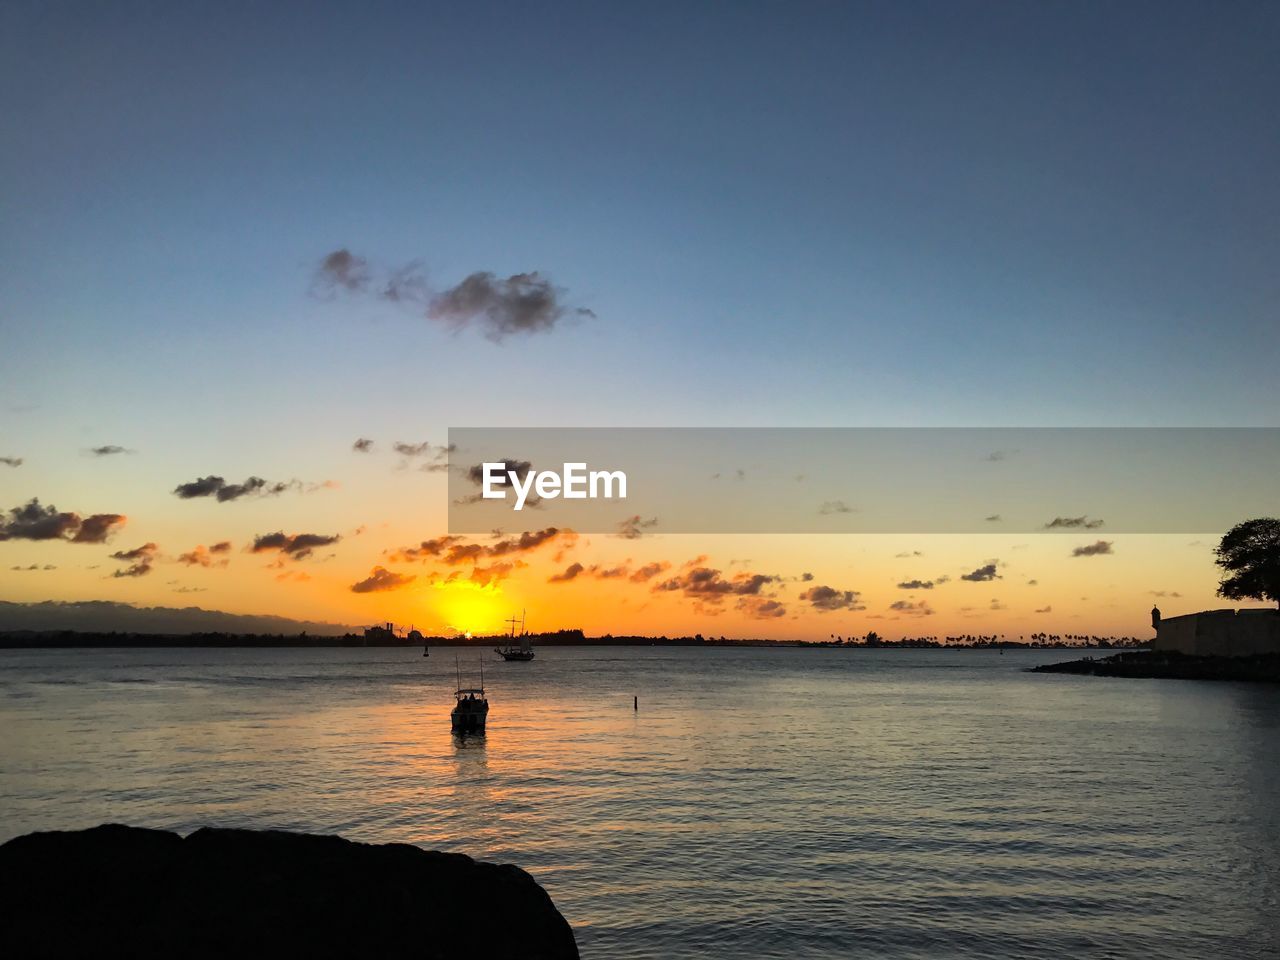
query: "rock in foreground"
124, 891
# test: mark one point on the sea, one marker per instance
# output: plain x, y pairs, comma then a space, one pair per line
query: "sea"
726, 802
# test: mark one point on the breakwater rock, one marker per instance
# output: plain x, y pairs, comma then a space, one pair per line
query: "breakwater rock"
1263, 668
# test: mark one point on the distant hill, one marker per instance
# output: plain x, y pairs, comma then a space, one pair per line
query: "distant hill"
109, 616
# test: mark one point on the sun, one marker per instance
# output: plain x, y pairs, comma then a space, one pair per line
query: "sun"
469, 608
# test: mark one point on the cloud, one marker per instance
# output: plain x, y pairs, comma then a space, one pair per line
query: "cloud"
341, 270
296, 546
34, 566
826, 599
1044, 610
501, 479
1161, 593
11, 461
835, 506
916, 585
1072, 523
522, 303
1097, 549
632, 528
139, 560
438, 457
649, 571
570, 573
203, 556
381, 579
985, 572
452, 550
363, 445
498, 307
996, 456
709, 586
761, 608
912, 609
913, 553
34, 522
109, 450
994, 518
213, 486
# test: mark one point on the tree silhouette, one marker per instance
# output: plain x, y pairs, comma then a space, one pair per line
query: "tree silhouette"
1250, 556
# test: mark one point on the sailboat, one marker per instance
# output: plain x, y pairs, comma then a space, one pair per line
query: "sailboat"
511, 651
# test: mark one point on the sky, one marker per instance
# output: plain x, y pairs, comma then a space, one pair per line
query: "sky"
758, 214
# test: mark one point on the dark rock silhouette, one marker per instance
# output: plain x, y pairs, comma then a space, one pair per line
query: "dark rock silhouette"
1259, 668
124, 891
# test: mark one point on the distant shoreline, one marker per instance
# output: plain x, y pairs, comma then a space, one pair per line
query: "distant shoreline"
72, 639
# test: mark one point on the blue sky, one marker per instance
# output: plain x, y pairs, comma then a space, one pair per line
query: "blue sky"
824, 213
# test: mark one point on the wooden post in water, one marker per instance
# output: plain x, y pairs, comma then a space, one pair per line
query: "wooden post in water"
635, 703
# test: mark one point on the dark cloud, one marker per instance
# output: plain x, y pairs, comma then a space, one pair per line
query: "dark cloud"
912, 609
501, 480
381, 579
835, 506
1072, 523
296, 546
761, 608
34, 566
649, 571
437, 457
633, 527
453, 550
570, 573
223, 492
709, 585
994, 518
202, 556
1097, 549
916, 585
363, 445
340, 271
826, 599
139, 560
983, 573
1044, 610
520, 468
34, 522
522, 303
11, 461
108, 450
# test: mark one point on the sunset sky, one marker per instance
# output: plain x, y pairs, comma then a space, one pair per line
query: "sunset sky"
235, 240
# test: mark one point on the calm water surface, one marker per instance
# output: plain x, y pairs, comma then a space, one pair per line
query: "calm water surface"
761, 803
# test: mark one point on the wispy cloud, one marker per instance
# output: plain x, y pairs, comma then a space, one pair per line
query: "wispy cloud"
139, 560
497, 306
1097, 549
11, 461
1072, 523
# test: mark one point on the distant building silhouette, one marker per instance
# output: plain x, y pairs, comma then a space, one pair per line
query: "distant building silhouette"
1218, 633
